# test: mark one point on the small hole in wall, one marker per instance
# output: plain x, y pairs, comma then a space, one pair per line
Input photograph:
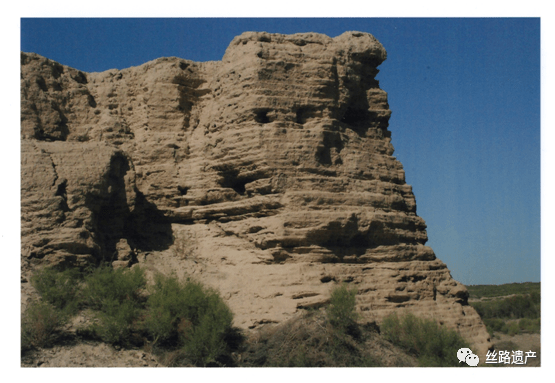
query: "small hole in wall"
183, 190
262, 117
355, 116
302, 115
230, 179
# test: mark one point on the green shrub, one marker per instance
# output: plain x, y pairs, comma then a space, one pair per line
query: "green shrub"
498, 313
166, 305
495, 325
116, 297
105, 285
60, 288
530, 325
39, 325
116, 322
188, 315
342, 309
518, 306
204, 342
434, 345
512, 328
185, 315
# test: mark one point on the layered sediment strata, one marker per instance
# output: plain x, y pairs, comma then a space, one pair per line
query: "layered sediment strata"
269, 175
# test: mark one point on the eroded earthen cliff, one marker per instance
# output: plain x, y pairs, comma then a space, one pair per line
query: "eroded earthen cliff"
268, 175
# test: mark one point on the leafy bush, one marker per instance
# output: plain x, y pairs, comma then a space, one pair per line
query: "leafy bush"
166, 304
116, 322
104, 286
433, 344
205, 342
496, 325
39, 325
60, 288
342, 309
190, 316
116, 297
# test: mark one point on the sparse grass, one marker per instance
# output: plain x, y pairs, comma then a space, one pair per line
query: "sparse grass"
39, 325
434, 345
308, 341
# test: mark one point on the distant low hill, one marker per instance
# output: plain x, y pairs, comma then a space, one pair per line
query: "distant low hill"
480, 291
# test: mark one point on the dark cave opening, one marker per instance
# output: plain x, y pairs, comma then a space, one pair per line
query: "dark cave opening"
262, 117
231, 179
355, 116
182, 190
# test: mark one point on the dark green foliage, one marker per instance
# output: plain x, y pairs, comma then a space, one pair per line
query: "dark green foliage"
495, 325
166, 305
205, 342
116, 322
530, 325
498, 313
105, 286
60, 288
512, 328
524, 325
518, 306
434, 345
183, 316
39, 325
479, 291
342, 309
115, 295
189, 316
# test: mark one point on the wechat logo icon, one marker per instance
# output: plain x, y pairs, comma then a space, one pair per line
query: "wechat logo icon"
466, 355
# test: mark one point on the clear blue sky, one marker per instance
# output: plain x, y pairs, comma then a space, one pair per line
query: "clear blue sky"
465, 98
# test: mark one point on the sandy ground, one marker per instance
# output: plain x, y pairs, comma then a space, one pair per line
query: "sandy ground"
522, 342
87, 355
